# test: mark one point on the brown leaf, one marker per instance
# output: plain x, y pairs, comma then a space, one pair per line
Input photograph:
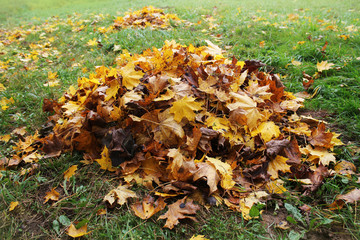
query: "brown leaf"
148, 207
119, 195
350, 197
321, 138
179, 210
207, 172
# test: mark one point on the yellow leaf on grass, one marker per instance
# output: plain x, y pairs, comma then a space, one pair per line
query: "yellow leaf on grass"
52, 75
52, 195
324, 65
278, 164
73, 232
246, 204
52, 83
198, 237
184, 108
5, 138
92, 42
119, 195
70, 172
13, 205
267, 131
131, 77
296, 63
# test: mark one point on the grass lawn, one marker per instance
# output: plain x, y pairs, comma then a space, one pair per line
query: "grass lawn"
46, 45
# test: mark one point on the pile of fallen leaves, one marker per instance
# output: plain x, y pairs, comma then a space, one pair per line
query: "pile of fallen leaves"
146, 17
190, 125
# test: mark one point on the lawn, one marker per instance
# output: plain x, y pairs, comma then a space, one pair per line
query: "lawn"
47, 45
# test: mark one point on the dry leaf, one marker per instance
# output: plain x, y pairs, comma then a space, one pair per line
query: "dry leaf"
119, 195
73, 232
52, 195
179, 210
13, 205
70, 172
148, 207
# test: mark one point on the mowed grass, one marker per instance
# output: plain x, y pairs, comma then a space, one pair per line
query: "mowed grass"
275, 32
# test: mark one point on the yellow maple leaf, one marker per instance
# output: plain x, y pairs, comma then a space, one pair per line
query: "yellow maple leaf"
184, 108
267, 131
131, 77
13, 205
52, 75
224, 170
278, 164
324, 65
105, 161
73, 232
276, 186
112, 90
246, 204
92, 42
70, 172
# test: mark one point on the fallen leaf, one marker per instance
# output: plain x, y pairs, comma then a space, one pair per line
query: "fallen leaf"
184, 108
70, 172
52, 195
179, 210
13, 205
351, 197
276, 165
324, 65
148, 207
198, 237
119, 195
73, 232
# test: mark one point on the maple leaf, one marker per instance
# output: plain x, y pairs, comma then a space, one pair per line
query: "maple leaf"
184, 108
180, 168
224, 170
324, 65
208, 172
105, 161
267, 131
320, 138
148, 207
5, 138
318, 155
278, 164
119, 195
72, 231
130, 77
179, 210
276, 187
70, 172
52, 195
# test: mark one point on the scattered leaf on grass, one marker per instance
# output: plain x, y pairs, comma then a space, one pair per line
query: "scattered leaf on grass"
52, 195
70, 172
73, 232
13, 205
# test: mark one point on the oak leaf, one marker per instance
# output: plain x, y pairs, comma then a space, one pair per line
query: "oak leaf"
179, 210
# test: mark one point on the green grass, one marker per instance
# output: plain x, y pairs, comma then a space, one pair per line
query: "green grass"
242, 25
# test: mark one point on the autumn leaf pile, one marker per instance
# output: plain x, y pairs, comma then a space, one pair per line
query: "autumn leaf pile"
189, 124
146, 17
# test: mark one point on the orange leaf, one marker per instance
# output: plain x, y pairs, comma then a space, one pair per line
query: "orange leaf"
52, 195
13, 205
70, 172
148, 207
